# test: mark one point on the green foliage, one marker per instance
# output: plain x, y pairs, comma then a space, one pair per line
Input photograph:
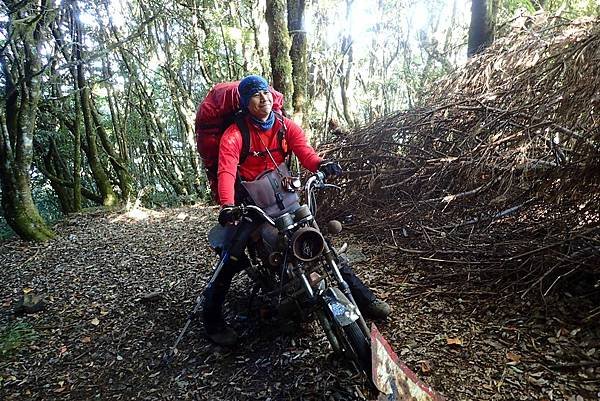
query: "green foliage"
566, 8
46, 200
156, 61
508, 7
14, 337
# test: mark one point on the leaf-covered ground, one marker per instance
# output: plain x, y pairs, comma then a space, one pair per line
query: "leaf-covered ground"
117, 289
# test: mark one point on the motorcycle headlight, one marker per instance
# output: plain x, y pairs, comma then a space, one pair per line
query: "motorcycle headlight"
307, 244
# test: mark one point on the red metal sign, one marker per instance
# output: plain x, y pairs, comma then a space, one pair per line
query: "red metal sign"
392, 377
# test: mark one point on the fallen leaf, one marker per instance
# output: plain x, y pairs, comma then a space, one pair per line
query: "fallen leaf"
454, 341
95, 321
27, 290
62, 350
103, 312
86, 339
513, 357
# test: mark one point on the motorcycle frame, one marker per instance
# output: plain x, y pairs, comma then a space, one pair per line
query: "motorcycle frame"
329, 253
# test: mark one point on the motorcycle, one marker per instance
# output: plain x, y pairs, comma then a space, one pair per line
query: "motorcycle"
293, 264
296, 266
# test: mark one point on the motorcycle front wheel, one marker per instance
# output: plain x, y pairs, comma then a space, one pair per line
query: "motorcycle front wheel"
360, 347
348, 341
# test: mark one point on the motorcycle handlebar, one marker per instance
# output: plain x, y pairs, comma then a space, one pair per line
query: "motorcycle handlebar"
317, 180
243, 210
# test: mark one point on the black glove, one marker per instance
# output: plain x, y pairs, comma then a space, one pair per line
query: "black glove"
228, 214
330, 168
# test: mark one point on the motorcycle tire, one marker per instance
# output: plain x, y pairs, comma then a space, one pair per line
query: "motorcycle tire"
361, 347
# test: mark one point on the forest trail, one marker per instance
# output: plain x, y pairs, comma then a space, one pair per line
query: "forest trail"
118, 286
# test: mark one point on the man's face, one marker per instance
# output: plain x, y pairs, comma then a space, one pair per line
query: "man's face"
260, 104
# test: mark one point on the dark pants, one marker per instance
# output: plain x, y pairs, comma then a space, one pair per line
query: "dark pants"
214, 295
361, 293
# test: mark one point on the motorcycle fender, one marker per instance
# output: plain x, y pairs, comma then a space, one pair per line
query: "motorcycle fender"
343, 311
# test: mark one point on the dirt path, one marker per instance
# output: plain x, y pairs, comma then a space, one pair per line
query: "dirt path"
99, 338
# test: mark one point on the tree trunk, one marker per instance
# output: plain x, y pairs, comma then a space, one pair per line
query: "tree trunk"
77, 155
54, 165
344, 71
118, 164
18, 120
345, 81
279, 47
298, 56
109, 198
19, 210
76, 53
481, 30
258, 47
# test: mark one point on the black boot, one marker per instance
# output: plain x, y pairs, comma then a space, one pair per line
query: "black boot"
376, 309
212, 317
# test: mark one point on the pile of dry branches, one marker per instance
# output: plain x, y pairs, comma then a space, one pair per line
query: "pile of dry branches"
500, 171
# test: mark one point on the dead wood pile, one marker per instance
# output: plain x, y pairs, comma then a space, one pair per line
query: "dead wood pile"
500, 171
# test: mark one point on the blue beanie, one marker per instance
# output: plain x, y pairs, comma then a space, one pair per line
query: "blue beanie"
249, 86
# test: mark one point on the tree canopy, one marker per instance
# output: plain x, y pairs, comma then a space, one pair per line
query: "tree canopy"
99, 97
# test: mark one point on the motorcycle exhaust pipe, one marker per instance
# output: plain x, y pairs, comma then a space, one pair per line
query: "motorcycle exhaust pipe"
307, 244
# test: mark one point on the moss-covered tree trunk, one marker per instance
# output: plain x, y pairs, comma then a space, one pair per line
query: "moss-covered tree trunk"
279, 47
21, 70
52, 164
17, 203
117, 162
298, 56
76, 54
109, 198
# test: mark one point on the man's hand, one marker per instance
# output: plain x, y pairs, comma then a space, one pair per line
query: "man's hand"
227, 215
330, 168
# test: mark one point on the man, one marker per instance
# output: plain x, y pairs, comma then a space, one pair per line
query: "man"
266, 153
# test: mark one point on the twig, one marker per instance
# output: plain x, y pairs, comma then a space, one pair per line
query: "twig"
582, 364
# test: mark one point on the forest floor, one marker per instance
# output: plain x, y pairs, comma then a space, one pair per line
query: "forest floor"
117, 288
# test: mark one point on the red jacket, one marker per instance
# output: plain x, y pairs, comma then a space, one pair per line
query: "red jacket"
230, 149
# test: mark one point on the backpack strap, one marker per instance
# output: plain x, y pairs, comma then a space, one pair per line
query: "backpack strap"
282, 139
284, 146
245, 131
